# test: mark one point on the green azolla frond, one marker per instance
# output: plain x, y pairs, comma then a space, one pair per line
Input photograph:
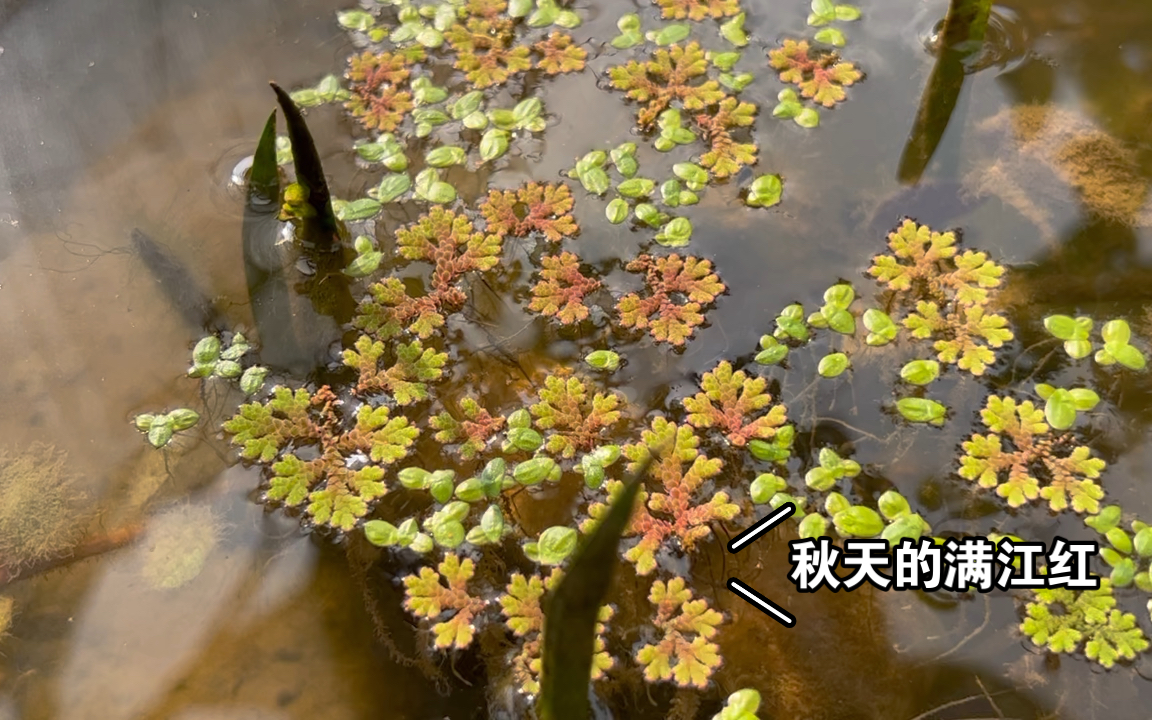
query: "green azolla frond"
669, 279
697, 9
667, 77
676, 512
728, 401
385, 439
264, 429
521, 602
473, 432
337, 507
406, 378
974, 274
427, 597
684, 653
292, 478
1061, 619
576, 421
1035, 453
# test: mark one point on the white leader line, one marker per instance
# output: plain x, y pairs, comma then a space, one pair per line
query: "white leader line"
770, 608
782, 513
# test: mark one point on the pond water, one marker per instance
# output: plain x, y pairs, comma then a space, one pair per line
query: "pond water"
132, 115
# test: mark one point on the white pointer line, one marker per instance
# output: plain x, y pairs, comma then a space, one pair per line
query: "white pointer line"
770, 608
780, 515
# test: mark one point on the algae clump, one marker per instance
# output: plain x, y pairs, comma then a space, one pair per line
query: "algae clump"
179, 543
40, 506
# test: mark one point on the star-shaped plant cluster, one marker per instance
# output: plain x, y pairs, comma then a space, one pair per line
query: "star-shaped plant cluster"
472, 430
1021, 449
685, 652
668, 279
345, 472
950, 292
730, 402
535, 207
676, 515
1062, 619
677, 78
572, 418
524, 615
452, 244
562, 288
820, 75
444, 595
404, 372
378, 83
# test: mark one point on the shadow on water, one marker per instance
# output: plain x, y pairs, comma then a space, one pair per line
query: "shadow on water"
283, 626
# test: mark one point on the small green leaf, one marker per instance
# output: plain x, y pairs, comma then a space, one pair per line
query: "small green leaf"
858, 521
603, 360
694, 176
556, 544
772, 351
920, 372
617, 211
492, 524
1060, 410
726, 60
832, 365
493, 144
524, 439
207, 351
470, 491
520, 8
357, 20
182, 419
446, 156
636, 187
922, 410
392, 186
676, 233
882, 329
253, 379
733, 31
831, 36
765, 486
160, 433
364, 265
361, 209
765, 191
414, 478
595, 181
466, 104
670, 34
381, 533
893, 505
813, 525
534, 471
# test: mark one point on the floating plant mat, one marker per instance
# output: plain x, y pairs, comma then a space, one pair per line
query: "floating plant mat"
490, 394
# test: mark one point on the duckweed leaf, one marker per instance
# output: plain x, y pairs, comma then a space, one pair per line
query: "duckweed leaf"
824, 12
446, 156
630, 34
765, 191
858, 521
252, 380
555, 545
603, 360
741, 705
772, 351
922, 410
392, 186
881, 328
725, 60
733, 31
920, 372
832, 365
676, 233
669, 34
617, 211
831, 36
636, 187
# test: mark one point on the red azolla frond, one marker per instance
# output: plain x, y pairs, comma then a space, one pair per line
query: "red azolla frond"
427, 597
485, 51
819, 75
684, 652
729, 401
473, 431
697, 9
667, 77
576, 421
559, 55
378, 98
675, 512
562, 287
667, 278
450, 242
725, 156
535, 207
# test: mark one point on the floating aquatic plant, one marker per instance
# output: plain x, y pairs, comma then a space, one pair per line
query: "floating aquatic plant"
725, 156
669, 76
379, 98
535, 207
1033, 452
472, 432
673, 515
1063, 620
730, 401
741, 705
574, 419
685, 653
558, 54
562, 288
821, 76
427, 597
347, 472
951, 292
667, 278
697, 9
405, 375
211, 359
1127, 553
